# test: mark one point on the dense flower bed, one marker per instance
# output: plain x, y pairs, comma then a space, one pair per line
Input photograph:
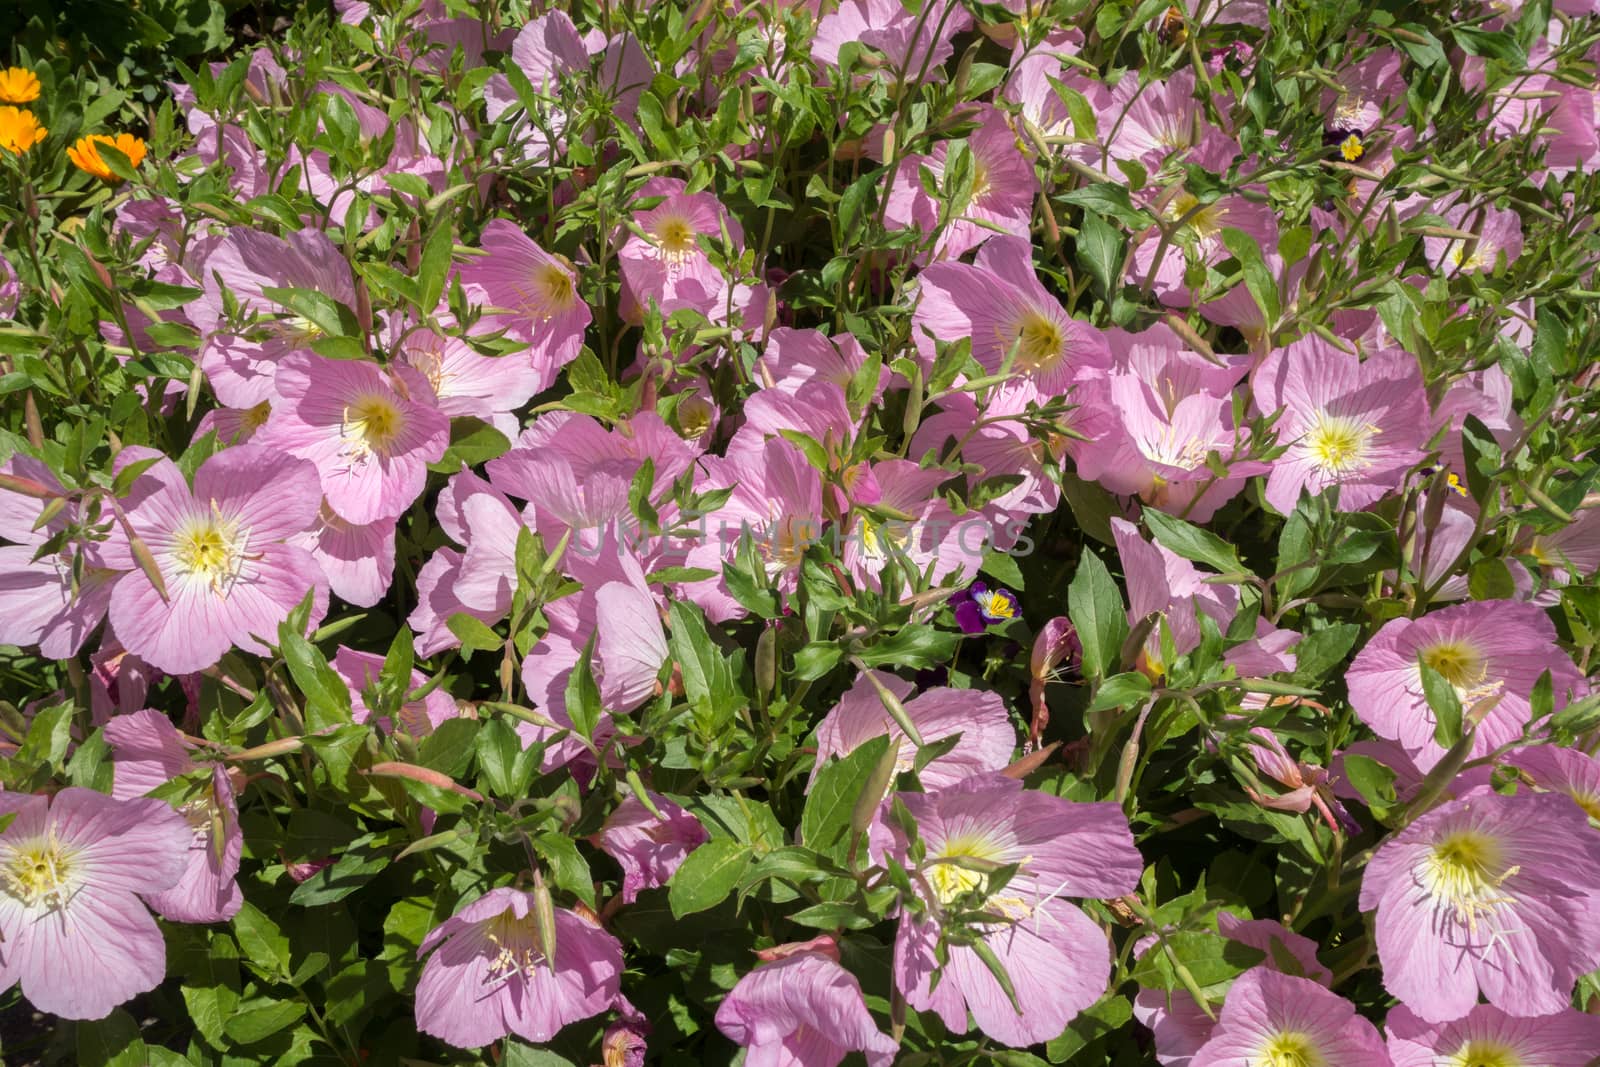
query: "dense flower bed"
960, 534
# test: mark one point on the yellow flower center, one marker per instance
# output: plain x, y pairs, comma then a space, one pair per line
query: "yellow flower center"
210, 551
371, 425
676, 237
1465, 870
1204, 224
1457, 661
1040, 342
1289, 1050
1478, 1053
1340, 445
518, 943
39, 871
1351, 148
951, 881
555, 286
256, 417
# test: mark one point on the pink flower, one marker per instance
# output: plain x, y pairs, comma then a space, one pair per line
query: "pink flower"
240, 360
419, 718
1012, 319
1001, 200
1562, 770
147, 752
223, 552
1358, 424
1492, 894
72, 867
1272, 1018
803, 1010
1057, 959
647, 846
370, 436
979, 717
1486, 650
41, 601
1179, 1025
667, 265
487, 977
357, 559
1308, 784
466, 383
1491, 1037
916, 45
530, 294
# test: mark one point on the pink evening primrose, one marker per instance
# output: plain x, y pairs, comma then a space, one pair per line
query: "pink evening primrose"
1278, 1020
529, 293
40, 602
802, 1010
371, 436
1487, 650
1489, 1037
147, 752
225, 554
986, 743
1487, 893
667, 264
1180, 1026
1012, 319
1357, 424
1057, 958
487, 978
73, 930
647, 846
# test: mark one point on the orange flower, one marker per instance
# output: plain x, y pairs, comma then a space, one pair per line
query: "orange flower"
18, 86
19, 130
85, 154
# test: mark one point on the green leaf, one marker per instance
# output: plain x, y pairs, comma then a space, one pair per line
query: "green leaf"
1445, 704
519, 1055
1257, 278
111, 1042
568, 869
1121, 691
352, 870
1373, 780
449, 748
48, 737
917, 645
1111, 1014
825, 822
1212, 960
474, 635
1095, 607
472, 442
261, 941
1490, 579
326, 695
583, 695
1099, 250
254, 1024
320, 309
1192, 542
708, 875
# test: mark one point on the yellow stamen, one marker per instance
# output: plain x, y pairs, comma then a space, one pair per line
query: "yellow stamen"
1465, 870
1339, 444
39, 871
1290, 1049
210, 551
1351, 148
371, 425
1479, 1053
